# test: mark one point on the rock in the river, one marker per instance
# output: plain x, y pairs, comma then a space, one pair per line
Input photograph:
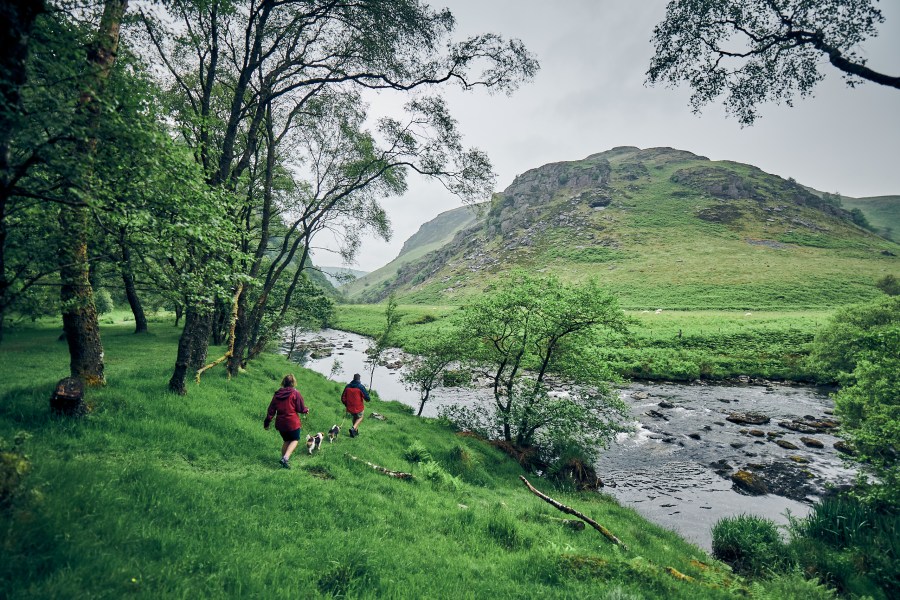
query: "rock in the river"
799, 459
757, 433
666, 404
809, 424
694, 436
812, 442
640, 395
737, 445
842, 446
748, 483
656, 415
786, 445
748, 418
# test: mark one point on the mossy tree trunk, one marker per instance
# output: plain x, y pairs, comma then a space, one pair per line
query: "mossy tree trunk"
80, 321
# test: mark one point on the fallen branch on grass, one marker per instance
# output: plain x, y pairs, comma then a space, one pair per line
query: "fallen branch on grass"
382, 470
571, 511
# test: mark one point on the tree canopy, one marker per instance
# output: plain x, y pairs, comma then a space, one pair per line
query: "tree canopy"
756, 51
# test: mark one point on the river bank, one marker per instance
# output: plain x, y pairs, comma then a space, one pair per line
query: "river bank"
680, 464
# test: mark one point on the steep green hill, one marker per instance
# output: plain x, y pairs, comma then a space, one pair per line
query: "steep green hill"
431, 236
662, 228
883, 212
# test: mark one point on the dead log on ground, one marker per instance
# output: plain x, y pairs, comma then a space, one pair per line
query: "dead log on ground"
382, 470
571, 511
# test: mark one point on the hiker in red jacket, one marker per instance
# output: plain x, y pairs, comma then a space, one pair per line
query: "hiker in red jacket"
354, 395
287, 403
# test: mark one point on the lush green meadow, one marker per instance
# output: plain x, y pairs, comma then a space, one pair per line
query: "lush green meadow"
676, 345
155, 495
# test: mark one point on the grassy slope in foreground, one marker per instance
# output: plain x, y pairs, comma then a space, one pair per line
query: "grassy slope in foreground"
155, 495
674, 345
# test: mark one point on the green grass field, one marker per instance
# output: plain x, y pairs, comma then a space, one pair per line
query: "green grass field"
155, 495
673, 345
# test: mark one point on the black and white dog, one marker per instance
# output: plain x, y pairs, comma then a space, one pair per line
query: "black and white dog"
333, 433
314, 443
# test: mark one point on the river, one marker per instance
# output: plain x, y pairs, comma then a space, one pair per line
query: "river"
670, 469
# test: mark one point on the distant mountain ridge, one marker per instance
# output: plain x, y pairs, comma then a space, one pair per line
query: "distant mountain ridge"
660, 227
431, 236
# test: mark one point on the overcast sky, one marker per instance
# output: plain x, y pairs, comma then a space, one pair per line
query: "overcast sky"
589, 96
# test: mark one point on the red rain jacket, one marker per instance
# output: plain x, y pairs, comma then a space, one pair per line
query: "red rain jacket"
353, 397
286, 403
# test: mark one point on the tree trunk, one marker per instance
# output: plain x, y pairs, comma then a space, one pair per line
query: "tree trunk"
80, 322
200, 340
192, 346
179, 311
134, 301
241, 330
79, 312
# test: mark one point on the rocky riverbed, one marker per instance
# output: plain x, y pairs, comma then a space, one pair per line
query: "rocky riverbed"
697, 452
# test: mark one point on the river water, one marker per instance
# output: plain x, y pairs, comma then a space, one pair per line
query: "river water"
666, 469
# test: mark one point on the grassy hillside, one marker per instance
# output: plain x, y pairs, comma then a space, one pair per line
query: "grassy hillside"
154, 495
883, 212
430, 236
661, 228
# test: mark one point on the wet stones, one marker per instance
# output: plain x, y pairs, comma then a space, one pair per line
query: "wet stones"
748, 418
757, 433
666, 404
656, 415
787, 445
748, 483
694, 436
842, 446
640, 395
799, 459
812, 442
809, 424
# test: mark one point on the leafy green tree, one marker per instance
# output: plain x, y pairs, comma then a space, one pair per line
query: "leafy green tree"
756, 51
859, 348
526, 329
385, 338
429, 370
232, 100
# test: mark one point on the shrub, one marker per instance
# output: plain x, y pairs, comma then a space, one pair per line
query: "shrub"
438, 476
417, 453
103, 301
750, 544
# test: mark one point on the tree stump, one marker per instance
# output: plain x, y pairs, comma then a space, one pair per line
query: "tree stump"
68, 398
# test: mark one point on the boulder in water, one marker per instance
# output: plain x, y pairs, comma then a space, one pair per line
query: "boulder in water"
812, 442
842, 446
748, 483
748, 418
786, 445
666, 404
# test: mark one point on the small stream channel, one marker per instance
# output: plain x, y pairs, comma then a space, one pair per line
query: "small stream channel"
674, 467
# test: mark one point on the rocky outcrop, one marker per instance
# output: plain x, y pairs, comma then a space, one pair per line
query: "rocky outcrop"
748, 418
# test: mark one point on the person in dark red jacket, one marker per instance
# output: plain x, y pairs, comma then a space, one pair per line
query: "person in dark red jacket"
287, 404
354, 395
